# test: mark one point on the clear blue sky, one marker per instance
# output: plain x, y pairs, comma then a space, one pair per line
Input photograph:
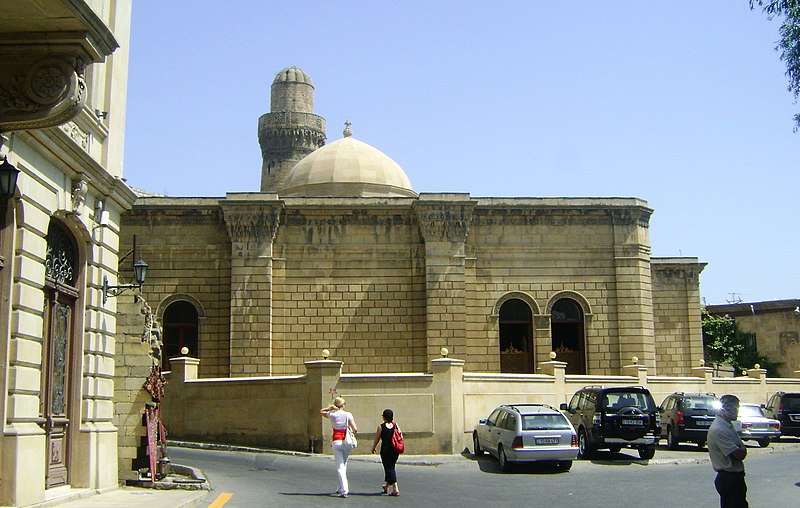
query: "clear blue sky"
683, 104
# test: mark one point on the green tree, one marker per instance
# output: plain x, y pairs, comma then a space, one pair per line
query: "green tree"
789, 43
723, 342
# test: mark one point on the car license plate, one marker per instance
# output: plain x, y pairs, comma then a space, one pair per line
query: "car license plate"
546, 440
635, 423
703, 423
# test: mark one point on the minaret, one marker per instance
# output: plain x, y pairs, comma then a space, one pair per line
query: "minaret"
291, 130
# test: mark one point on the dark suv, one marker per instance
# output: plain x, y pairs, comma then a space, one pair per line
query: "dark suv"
785, 407
687, 417
614, 418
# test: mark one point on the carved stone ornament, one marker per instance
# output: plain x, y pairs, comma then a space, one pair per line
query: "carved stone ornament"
631, 217
252, 225
79, 190
445, 222
36, 93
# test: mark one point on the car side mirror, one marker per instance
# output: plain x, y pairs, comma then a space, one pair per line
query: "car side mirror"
763, 406
563, 406
482, 420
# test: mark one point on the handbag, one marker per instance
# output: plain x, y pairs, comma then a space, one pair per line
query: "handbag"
350, 439
397, 440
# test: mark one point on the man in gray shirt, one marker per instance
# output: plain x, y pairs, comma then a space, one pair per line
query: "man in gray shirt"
727, 453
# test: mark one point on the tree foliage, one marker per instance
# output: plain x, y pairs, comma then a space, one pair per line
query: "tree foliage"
723, 342
789, 43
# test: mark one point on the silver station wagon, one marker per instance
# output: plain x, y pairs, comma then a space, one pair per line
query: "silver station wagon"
526, 433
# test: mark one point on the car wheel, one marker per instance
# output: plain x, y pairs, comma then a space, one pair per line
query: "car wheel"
647, 452
501, 457
564, 465
763, 443
672, 439
614, 449
476, 446
584, 448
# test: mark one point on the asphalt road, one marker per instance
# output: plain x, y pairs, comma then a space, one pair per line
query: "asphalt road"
681, 477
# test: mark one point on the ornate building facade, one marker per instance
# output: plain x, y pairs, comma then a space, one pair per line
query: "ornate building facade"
338, 252
62, 119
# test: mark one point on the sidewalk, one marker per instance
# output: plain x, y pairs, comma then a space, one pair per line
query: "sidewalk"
130, 497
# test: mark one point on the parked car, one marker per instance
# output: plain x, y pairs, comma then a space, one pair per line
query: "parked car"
526, 433
785, 407
614, 418
752, 424
686, 417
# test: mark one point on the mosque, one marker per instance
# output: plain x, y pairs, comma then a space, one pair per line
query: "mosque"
338, 252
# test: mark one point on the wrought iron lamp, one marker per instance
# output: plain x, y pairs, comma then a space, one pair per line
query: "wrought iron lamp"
8, 184
139, 273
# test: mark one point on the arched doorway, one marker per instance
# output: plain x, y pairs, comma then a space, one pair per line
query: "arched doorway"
567, 331
180, 329
516, 337
61, 294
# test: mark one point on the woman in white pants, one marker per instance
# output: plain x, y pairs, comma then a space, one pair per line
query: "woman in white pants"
340, 421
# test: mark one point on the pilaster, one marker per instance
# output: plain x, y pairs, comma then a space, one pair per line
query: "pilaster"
634, 294
444, 220
252, 222
322, 377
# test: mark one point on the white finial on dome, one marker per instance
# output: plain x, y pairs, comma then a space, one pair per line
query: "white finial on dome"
347, 131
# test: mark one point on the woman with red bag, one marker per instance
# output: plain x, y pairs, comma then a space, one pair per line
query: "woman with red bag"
389, 455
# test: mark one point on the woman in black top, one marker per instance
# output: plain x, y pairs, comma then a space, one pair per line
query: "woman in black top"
388, 454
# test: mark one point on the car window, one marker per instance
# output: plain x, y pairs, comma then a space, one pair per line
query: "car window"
544, 422
668, 404
791, 403
510, 422
750, 411
614, 401
492, 420
573, 403
699, 402
591, 401
501, 420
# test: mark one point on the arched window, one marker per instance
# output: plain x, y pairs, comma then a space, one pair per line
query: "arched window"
61, 294
567, 330
516, 337
179, 329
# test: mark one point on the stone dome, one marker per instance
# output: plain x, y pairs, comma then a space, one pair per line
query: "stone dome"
347, 167
294, 75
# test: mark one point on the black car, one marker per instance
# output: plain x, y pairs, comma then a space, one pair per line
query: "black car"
785, 407
614, 418
687, 417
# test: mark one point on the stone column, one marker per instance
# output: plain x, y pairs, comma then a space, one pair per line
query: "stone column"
444, 221
322, 377
252, 221
634, 292
448, 405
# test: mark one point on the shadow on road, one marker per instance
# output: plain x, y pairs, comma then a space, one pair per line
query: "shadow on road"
488, 464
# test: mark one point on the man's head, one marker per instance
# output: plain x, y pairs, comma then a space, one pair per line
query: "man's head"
730, 407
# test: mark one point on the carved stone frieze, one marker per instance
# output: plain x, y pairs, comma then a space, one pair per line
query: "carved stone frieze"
78, 135
40, 92
632, 217
444, 221
256, 224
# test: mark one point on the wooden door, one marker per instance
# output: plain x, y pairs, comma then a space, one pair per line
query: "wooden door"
56, 375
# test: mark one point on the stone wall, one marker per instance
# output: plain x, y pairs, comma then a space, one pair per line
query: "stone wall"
437, 409
777, 328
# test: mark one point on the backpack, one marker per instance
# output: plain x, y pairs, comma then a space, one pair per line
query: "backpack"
397, 440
